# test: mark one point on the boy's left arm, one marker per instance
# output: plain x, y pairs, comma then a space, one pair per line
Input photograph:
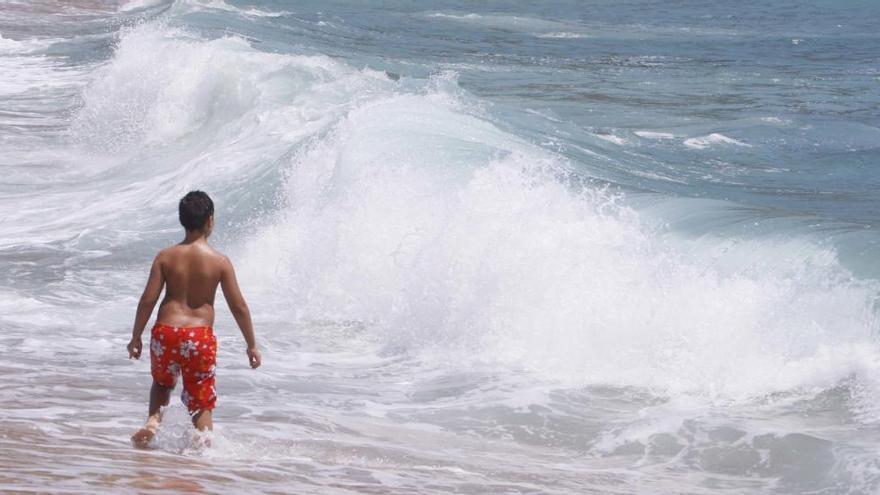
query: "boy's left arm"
145, 307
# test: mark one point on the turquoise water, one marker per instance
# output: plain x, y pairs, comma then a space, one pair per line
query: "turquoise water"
562, 247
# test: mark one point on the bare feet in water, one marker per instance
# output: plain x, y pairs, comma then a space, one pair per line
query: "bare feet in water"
201, 440
142, 438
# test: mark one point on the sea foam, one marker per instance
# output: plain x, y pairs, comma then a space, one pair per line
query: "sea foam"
468, 239
703, 142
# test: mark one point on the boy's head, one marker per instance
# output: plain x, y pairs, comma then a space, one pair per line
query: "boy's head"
196, 211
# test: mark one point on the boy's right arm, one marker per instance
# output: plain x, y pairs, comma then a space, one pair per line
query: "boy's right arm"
145, 306
240, 311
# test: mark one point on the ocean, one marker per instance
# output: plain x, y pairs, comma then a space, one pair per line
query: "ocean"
490, 247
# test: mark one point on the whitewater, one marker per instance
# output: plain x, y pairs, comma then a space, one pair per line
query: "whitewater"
557, 248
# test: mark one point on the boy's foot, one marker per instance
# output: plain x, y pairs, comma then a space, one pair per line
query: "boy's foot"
201, 440
142, 438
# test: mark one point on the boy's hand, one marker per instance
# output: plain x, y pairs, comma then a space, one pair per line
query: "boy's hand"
254, 357
134, 348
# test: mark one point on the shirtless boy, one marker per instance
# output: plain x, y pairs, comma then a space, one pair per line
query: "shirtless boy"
182, 341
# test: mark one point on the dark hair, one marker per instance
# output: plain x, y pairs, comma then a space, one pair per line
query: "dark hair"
195, 209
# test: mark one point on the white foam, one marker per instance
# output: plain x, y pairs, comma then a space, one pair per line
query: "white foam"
776, 120
440, 231
163, 85
611, 138
456, 16
703, 142
132, 5
654, 135
15, 47
226, 7
9, 46
562, 35
264, 13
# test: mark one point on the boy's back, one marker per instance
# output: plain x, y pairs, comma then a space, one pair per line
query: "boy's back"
192, 273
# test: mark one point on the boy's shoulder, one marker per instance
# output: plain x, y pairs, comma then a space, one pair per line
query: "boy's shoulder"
177, 250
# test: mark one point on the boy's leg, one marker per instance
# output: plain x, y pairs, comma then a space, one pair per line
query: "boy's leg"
203, 420
204, 423
199, 395
159, 398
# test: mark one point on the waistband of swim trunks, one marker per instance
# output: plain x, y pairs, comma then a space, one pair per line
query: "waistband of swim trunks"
172, 327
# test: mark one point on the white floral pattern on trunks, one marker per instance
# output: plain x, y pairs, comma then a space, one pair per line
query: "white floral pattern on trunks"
187, 347
207, 374
157, 348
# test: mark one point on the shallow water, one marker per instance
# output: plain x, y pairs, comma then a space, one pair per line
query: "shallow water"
501, 248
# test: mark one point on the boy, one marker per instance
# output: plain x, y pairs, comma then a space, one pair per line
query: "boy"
182, 340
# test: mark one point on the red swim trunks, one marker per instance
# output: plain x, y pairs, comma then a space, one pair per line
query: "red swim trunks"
187, 351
